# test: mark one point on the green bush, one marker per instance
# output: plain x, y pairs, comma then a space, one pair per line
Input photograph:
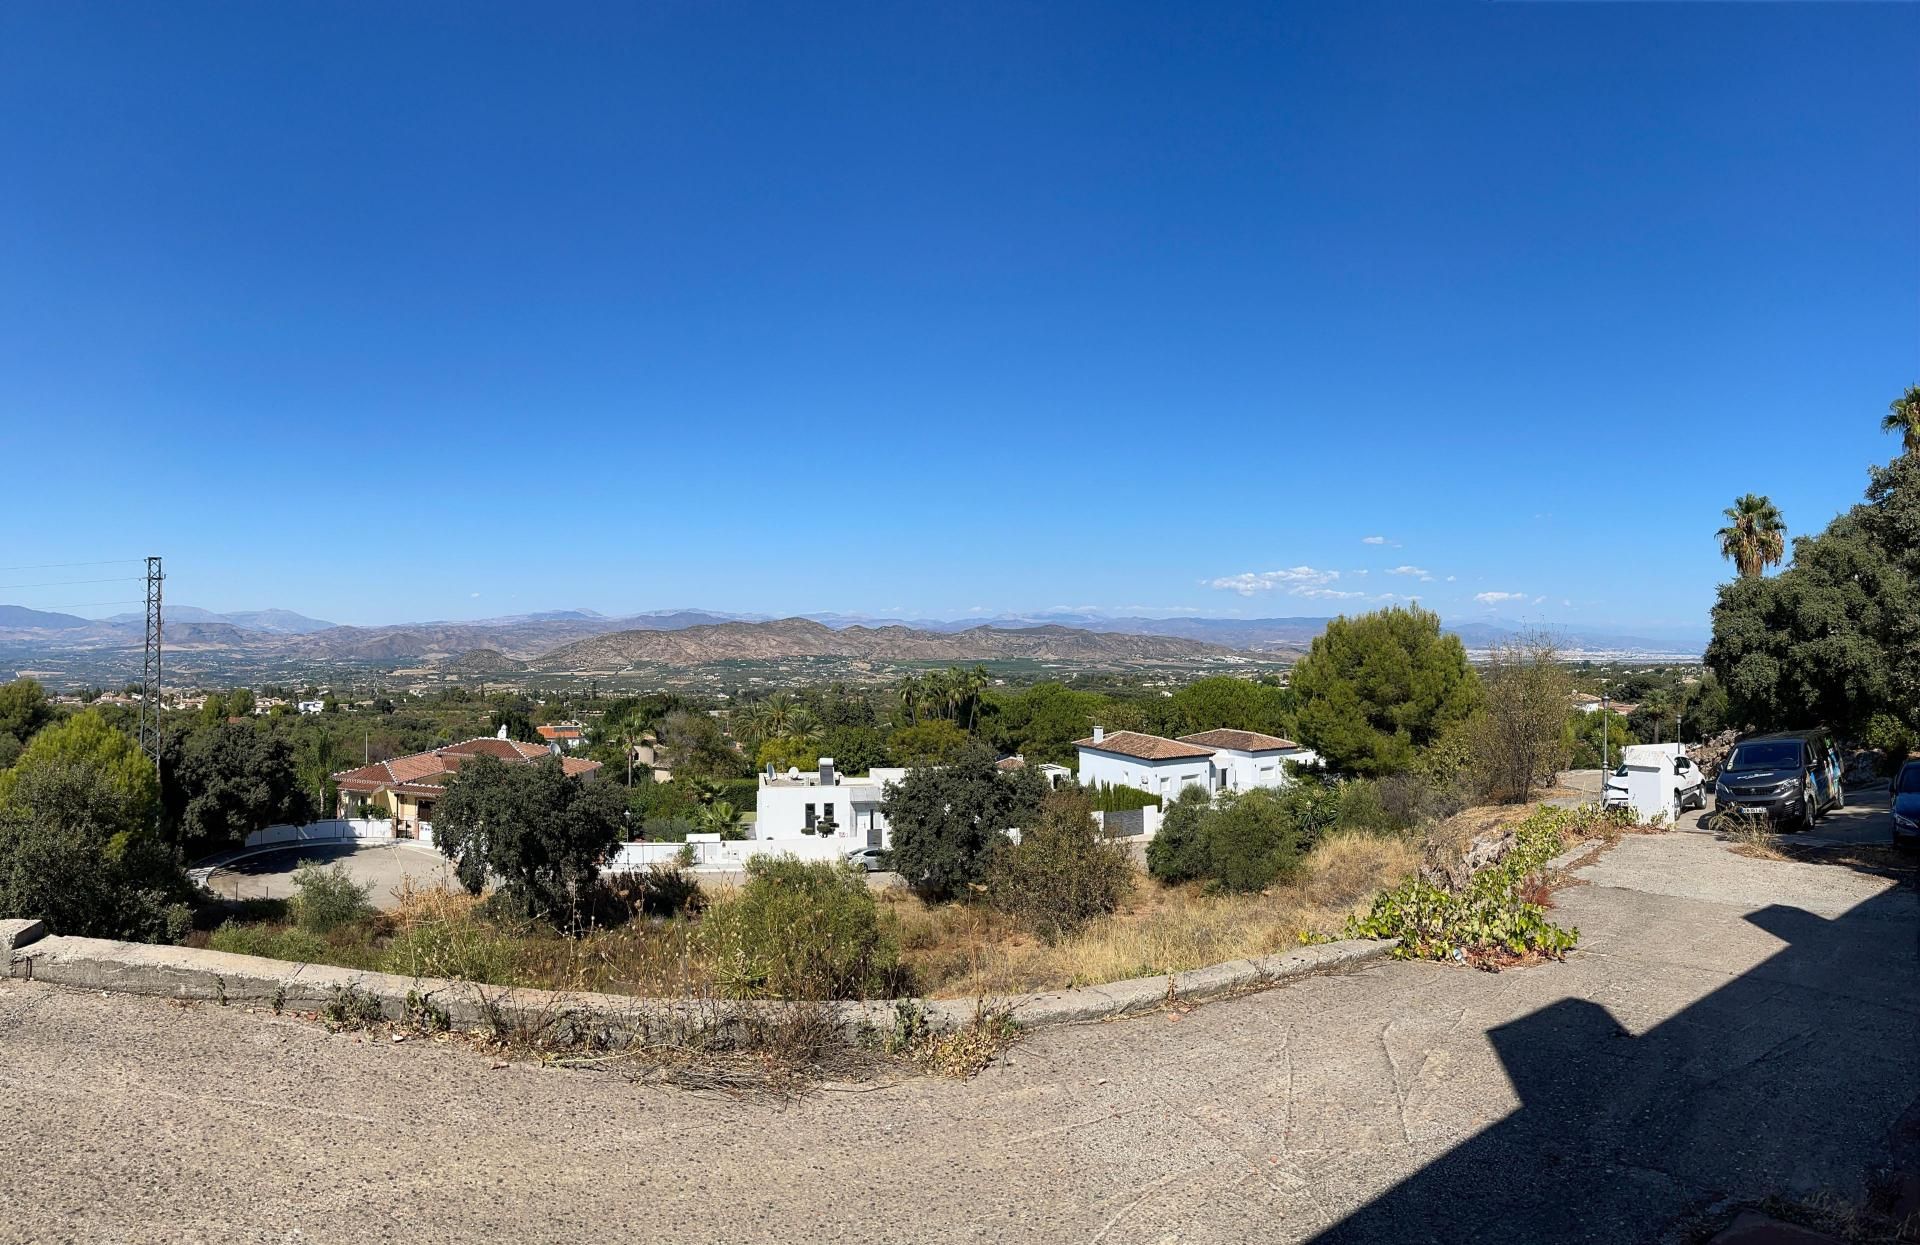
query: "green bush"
1062, 873
465, 948
1253, 839
1108, 798
273, 942
327, 898
1243, 841
1179, 852
799, 930
1490, 912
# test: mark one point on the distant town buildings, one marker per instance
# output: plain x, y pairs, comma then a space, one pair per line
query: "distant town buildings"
568, 735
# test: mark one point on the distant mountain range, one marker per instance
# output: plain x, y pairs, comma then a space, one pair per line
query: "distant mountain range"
586, 640
802, 637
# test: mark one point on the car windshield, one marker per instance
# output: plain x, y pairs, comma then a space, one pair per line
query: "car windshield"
1909, 780
1774, 754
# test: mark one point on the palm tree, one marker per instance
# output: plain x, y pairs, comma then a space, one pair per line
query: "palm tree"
1757, 536
913, 694
1903, 417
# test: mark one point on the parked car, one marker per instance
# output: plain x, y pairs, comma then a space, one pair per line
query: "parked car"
1788, 778
872, 859
1905, 798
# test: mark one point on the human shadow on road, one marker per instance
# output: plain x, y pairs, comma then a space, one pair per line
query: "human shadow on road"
1787, 1078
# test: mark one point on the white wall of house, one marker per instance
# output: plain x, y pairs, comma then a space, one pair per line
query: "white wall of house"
1164, 778
787, 806
1243, 771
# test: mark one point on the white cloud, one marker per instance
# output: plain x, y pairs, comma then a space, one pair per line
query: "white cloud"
473, 596
1450, 579
1419, 572
1373, 540
1495, 598
1299, 581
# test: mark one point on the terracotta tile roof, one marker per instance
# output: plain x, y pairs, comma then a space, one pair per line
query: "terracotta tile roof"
505, 749
1144, 747
427, 770
560, 730
1009, 764
1240, 741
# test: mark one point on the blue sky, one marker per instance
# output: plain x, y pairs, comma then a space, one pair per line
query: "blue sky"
387, 312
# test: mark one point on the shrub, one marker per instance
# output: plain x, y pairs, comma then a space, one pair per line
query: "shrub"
349, 1007
272, 942
1062, 873
799, 930
1361, 806
1179, 852
661, 890
1492, 911
1253, 839
1890, 736
1417, 799
327, 898
1108, 798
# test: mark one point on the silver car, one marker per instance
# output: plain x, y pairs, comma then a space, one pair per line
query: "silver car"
872, 859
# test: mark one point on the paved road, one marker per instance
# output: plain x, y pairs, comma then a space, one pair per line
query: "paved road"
1728, 1027
383, 867
1866, 819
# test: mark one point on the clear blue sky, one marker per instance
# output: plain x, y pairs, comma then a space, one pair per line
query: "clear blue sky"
386, 312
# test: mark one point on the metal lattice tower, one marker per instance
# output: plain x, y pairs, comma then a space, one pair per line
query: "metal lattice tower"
150, 673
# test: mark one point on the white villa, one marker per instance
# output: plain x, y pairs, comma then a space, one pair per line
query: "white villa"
795, 806
1216, 760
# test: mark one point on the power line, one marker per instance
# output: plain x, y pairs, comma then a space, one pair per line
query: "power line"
68, 583
79, 605
54, 566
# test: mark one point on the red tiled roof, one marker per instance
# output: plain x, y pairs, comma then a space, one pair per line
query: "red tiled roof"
421, 769
560, 731
1009, 764
1144, 747
1240, 741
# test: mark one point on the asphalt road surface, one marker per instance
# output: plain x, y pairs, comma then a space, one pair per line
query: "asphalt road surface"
381, 866
1727, 1028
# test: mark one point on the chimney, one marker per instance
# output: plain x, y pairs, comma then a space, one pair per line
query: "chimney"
1098, 734
827, 778
502, 732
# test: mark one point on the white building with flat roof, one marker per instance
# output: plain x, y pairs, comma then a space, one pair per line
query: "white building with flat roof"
821, 805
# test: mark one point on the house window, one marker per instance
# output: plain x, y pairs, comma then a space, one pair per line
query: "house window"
809, 816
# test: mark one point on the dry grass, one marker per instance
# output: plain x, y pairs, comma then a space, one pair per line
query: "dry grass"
961, 951
951, 950
1751, 836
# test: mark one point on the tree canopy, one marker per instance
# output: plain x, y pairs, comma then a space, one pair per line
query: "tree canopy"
225, 781
947, 821
539, 831
1375, 689
1835, 638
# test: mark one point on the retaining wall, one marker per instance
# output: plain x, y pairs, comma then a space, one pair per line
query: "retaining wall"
191, 973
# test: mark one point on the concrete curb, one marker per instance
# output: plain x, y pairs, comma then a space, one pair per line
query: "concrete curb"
217, 976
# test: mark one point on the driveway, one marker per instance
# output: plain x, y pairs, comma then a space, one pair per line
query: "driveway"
1866, 820
1727, 1028
383, 867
